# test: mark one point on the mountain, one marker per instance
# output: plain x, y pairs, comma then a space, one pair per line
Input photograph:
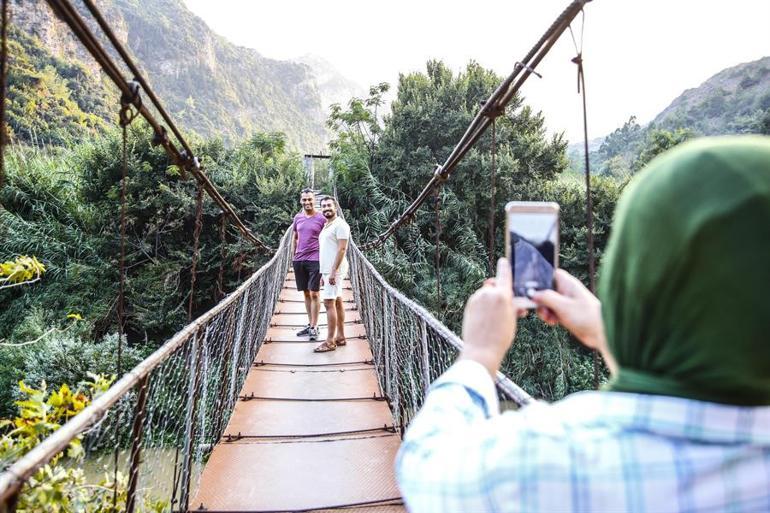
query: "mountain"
734, 101
332, 85
209, 85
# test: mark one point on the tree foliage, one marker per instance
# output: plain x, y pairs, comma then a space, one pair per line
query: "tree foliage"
60, 486
23, 269
63, 205
377, 178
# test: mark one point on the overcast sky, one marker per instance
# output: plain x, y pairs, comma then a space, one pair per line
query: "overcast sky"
638, 54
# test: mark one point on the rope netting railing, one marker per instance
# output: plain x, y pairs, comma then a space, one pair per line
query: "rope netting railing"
147, 437
411, 348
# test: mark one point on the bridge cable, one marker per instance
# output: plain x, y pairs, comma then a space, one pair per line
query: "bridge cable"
494, 106
196, 249
493, 198
96, 13
125, 117
581, 89
437, 204
219, 290
184, 159
3, 86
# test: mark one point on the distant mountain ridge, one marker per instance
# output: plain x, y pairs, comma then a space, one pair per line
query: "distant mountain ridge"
728, 102
209, 85
734, 101
333, 86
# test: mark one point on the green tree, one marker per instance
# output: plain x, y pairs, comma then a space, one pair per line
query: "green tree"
659, 141
429, 115
63, 204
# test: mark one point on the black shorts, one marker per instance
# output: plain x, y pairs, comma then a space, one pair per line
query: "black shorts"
308, 275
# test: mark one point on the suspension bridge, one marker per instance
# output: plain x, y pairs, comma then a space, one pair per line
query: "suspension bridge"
234, 412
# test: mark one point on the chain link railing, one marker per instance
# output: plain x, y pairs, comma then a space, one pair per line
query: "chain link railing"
411, 348
153, 429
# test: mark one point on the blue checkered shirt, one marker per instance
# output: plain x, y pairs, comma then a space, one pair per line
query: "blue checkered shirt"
590, 452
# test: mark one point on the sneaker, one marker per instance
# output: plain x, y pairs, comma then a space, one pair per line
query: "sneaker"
313, 334
304, 332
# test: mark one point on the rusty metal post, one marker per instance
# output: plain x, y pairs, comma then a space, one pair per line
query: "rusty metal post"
10, 505
437, 205
3, 86
192, 410
385, 352
196, 253
493, 200
395, 396
223, 396
219, 290
425, 355
136, 444
235, 360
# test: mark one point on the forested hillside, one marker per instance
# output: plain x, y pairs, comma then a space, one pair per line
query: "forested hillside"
734, 101
61, 197
209, 85
62, 205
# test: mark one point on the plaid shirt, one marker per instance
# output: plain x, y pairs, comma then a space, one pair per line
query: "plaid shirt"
592, 452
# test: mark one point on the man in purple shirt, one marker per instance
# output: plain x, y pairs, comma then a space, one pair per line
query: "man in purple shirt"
307, 226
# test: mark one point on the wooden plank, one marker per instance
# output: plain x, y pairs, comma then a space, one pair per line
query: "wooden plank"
318, 404
247, 476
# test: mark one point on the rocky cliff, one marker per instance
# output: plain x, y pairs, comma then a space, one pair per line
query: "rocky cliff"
210, 86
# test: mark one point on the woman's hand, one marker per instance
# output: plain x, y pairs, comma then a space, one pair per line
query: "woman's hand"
574, 306
489, 323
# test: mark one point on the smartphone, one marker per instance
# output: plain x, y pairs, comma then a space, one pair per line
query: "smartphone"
532, 245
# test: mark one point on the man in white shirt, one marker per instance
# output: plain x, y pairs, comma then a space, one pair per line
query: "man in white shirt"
333, 244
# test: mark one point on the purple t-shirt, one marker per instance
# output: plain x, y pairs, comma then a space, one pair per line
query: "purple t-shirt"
308, 229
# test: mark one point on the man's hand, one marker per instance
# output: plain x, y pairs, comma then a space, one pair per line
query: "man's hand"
574, 306
333, 278
489, 323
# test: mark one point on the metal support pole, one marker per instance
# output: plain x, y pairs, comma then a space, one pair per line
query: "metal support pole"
235, 360
192, 409
136, 444
425, 355
385, 352
493, 200
10, 505
395, 395
438, 248
3, 86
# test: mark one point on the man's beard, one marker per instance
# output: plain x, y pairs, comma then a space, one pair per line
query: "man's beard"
328, 213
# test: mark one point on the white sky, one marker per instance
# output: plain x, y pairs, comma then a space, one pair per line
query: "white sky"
638, 54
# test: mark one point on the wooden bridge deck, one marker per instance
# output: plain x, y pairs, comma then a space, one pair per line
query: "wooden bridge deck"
309, 432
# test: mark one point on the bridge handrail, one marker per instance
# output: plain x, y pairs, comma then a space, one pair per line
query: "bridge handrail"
507, 388
13, 477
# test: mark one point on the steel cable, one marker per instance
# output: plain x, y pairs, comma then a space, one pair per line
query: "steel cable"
494, 106
184, 159
3, 86
581, 89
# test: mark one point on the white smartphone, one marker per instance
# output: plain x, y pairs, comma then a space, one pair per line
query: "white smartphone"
532, 245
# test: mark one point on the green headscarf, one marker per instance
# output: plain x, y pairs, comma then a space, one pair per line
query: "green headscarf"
685, 284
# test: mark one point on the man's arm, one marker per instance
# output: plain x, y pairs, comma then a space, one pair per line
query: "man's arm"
294, 240
343, 247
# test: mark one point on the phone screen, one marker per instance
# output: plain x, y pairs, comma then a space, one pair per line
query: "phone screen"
533, 239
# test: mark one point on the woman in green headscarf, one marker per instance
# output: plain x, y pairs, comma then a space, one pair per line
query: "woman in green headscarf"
684, 282
684, 326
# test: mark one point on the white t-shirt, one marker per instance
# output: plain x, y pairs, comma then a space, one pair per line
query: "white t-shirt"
329, 243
